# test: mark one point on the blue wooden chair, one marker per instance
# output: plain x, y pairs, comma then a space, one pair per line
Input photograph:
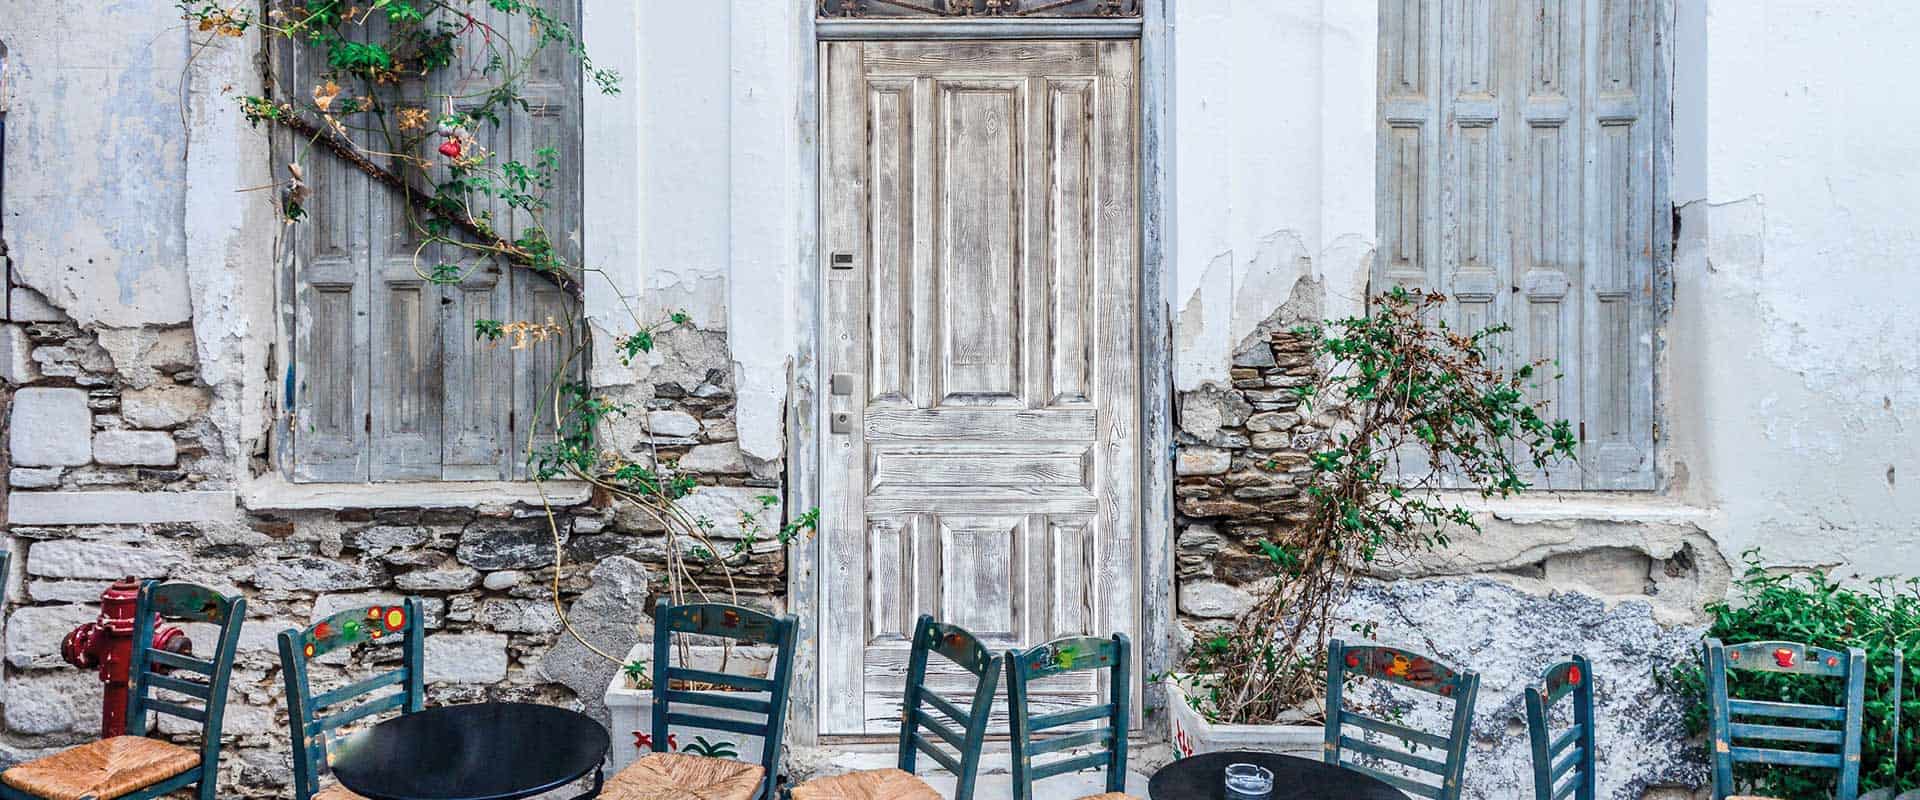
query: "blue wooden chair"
315, 720
134, 766
1736, 738
964, 731
1563, 763
1413, 671
664, 773
1053, 658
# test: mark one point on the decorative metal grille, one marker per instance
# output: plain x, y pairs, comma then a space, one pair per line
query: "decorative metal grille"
1054, 9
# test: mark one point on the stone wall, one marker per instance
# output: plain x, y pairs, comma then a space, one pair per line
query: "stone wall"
122, 416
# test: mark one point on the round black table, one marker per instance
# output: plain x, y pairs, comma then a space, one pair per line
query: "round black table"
1203, 777
482, 751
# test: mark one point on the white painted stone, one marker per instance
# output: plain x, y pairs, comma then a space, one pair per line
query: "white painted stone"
466, 658
313, 574
17, 366
83, 508
135, 448
34, 633
33, 477
51, 428
438, 580
724, 458
28, 305
1213, 600
66, 591
74, 558
163, 406
503, 580
724, 505
672, 424
53, 702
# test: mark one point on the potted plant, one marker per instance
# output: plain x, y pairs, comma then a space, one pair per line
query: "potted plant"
1415, 416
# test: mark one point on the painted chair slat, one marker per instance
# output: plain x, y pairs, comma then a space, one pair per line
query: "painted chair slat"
191, 603
1072, 654
952, 711
1398, 731
720, 700
314, 719
1727, 738
739, 624
1564, 767
1411, 670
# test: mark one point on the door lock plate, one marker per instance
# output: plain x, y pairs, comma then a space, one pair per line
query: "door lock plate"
842, 383
842, 422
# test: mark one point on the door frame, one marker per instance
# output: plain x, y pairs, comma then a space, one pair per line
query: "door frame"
806, 415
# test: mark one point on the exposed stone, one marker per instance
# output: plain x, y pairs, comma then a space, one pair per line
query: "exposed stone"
51, 428
1213, 600
451, 579
131, 448
672, 424
724, 458
1202, 461
496, 544
1509, 636
53, 702
315, 575
76, 558
34, 633
1602, 570
610, 615
725, 505
466, 658
381, 539
66, 591
33, 477
503, 580
27, 305
520, 616
163, 406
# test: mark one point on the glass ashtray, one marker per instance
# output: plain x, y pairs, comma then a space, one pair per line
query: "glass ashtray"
1249, 782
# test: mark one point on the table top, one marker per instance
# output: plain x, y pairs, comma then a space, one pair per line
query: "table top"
1202, 777
481, 751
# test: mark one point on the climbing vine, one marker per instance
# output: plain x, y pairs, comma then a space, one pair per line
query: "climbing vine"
466, 64
1414, 411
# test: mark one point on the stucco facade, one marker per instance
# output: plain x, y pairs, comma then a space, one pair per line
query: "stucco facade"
138, 350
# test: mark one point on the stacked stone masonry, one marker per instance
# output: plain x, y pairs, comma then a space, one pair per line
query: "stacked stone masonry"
125, 411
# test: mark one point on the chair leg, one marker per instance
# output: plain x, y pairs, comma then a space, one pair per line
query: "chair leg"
599, 779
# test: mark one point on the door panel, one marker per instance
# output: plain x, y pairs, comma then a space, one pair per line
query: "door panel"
981, 459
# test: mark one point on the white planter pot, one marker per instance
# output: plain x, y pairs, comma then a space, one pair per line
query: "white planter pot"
632, 715
1192, 733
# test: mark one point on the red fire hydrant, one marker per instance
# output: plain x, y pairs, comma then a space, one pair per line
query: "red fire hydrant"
107, 643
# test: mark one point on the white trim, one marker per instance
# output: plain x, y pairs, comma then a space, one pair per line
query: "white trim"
835, 30
275, 493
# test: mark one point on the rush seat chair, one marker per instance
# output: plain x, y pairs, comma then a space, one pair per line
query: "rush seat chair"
134, 766
1109, 740
315, 720
1414, 671
1563, 762
922, 730
1753, 731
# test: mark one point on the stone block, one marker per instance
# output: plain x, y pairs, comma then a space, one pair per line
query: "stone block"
34, 634
163, 406
451, 579
672, 424
118, 508
611, 614
724, 505
51, 428
33, 477
27, 305
313, 574
381, 539
1202, 461
65, 700
520, 616
724, 458
77, 558
501, 544
17, 366
1213, 600
135, 448
503, 580
466, 658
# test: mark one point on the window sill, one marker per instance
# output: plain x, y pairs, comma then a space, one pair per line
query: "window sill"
275, 493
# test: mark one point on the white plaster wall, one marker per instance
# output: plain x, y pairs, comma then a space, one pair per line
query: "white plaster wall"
1793, 371
702, 202
96, 158
1272, 175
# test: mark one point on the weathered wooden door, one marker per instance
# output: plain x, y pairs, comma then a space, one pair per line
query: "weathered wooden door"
981, 459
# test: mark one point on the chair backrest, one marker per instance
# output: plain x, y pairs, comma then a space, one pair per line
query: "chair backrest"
315, 720
190, 603
736, 623
1737, 738
1109, 740
965, 732
1563, 763
1414, 671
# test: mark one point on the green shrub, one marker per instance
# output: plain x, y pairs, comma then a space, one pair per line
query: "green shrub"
1880, 617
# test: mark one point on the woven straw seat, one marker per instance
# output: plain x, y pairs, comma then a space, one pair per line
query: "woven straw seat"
1110, 796
103, 769
1750, 797
680, 776
873, 784
336, 792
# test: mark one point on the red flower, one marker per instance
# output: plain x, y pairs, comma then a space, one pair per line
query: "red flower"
1573, 675
1783, 657
642, 740
450, 148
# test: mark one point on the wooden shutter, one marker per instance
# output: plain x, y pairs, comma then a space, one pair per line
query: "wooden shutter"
389, 382
1520, 172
